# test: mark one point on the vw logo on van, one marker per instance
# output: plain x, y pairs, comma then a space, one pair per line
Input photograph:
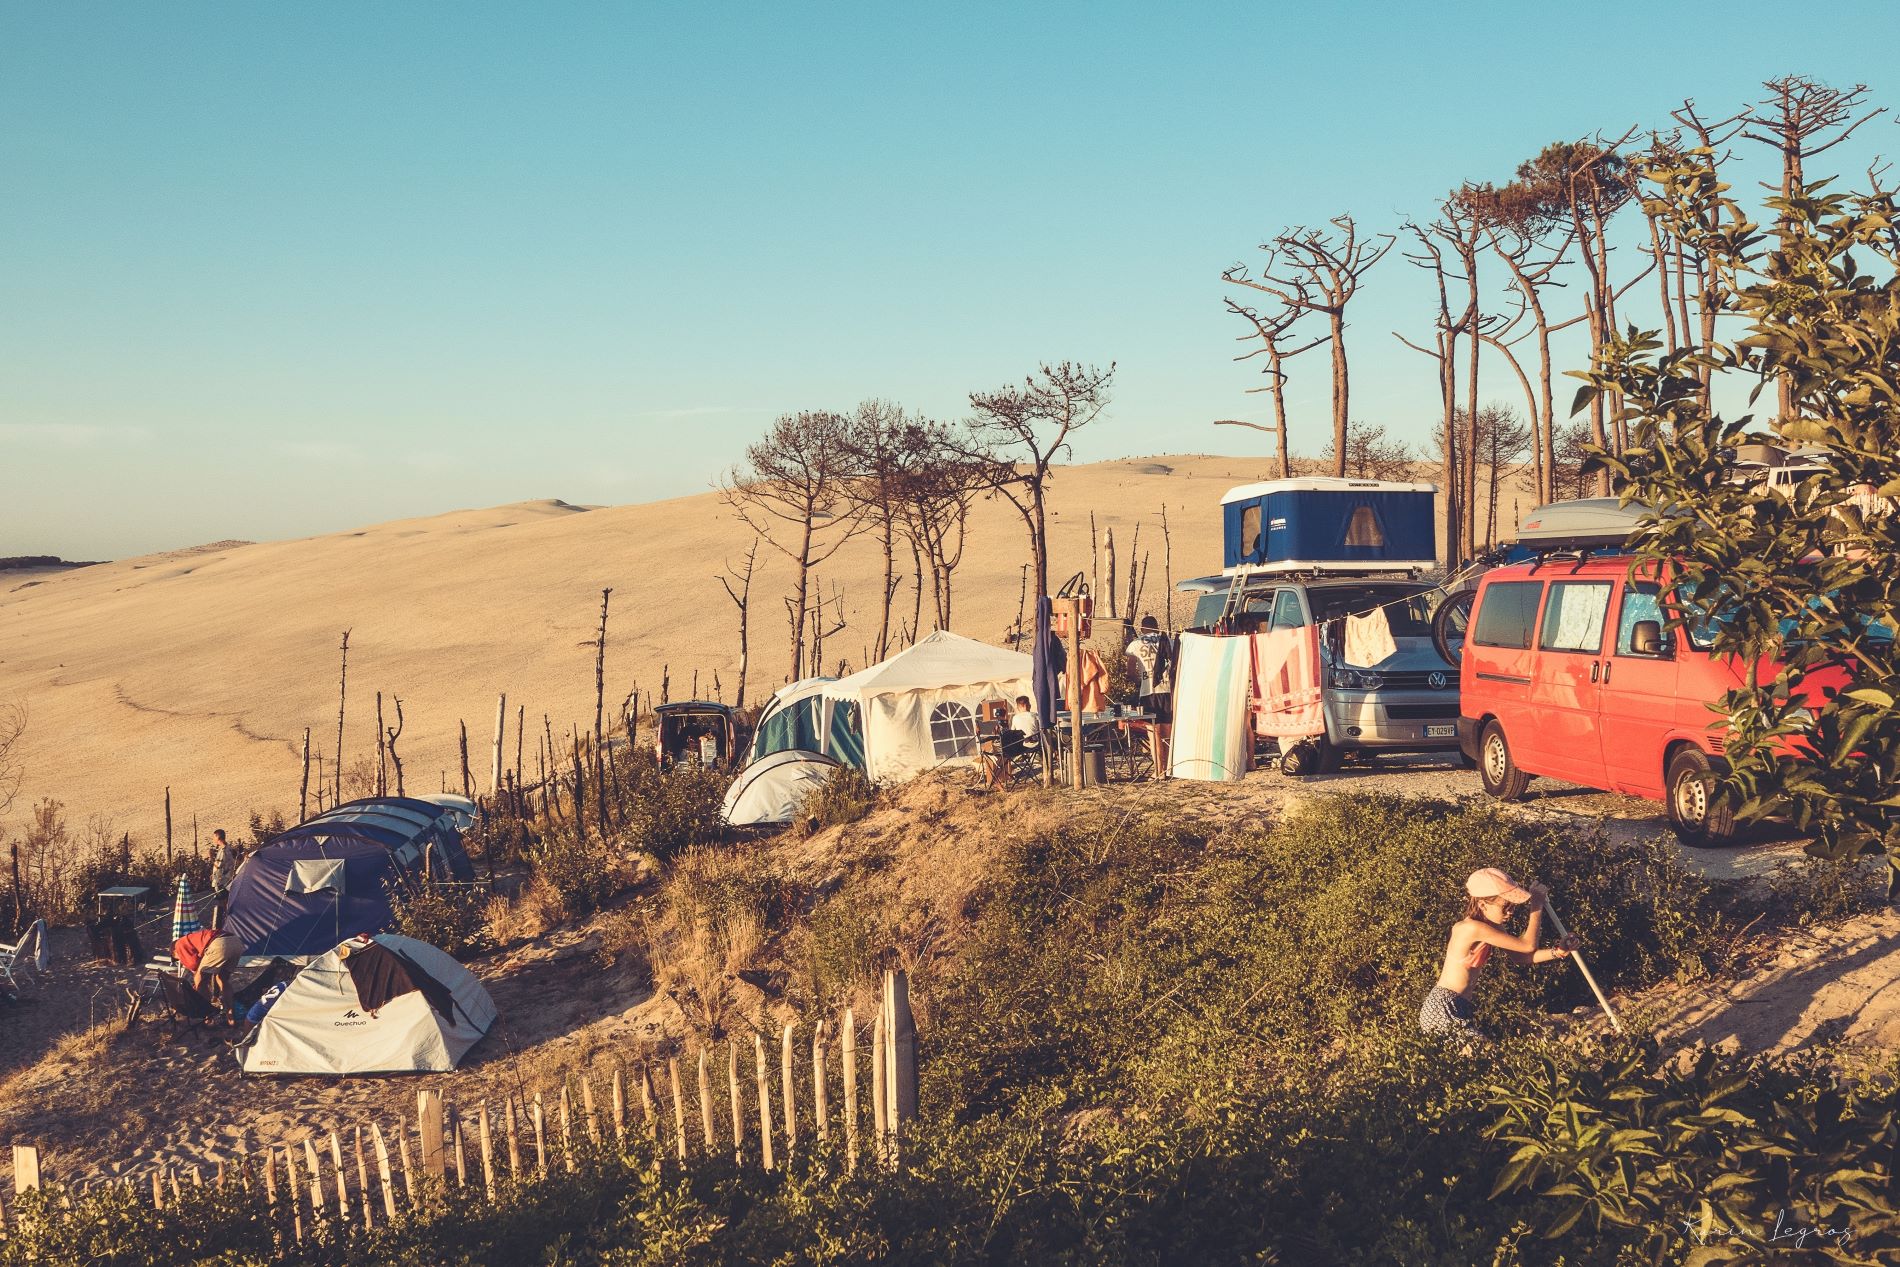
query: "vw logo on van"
1436, 681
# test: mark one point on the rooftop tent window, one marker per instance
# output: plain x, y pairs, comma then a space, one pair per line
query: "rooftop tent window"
1363, 528
315, 875
952, 731
1250, 531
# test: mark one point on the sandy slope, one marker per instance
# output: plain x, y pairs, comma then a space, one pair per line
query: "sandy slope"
199, 669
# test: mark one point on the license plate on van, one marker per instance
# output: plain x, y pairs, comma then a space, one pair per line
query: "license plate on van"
1440, 732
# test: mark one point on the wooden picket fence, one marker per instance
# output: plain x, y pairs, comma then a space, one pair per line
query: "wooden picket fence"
531, 1133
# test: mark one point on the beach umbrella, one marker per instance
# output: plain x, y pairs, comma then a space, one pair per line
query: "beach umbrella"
184, 914
1046, 657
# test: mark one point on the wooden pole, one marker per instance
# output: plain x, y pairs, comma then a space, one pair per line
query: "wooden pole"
848, 1051
342, 1185
765, 1103
819, 1116
648, 1116
514, 1140
1562, 932
679, 1103
26, 1168
600, 671
488, 1153
901, 1032
461, 1161
435, 1160
501, 727
567, 1127
468, 788
408, 1167
521, 717
383, 1176
168, 827
788, 1075
738, 1111
880, 1090
290, 1192
536, 1114
316, 1181
620, 1109
382, 750
587, 1107
362, 1182
705, 1102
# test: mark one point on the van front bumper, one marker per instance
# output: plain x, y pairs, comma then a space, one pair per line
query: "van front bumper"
1364, 719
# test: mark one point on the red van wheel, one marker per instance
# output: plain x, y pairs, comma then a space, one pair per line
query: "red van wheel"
1496, 770
1700, 814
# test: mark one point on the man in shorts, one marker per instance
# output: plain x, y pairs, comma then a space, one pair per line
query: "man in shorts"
209, 955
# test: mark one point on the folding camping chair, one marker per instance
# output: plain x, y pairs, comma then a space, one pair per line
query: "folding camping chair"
28, 952
185, 1002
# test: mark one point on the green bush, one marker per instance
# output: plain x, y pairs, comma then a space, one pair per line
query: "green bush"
676, 809
586, 873
451, 917
845, 797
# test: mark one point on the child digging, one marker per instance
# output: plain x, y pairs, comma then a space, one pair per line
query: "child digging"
1491, 896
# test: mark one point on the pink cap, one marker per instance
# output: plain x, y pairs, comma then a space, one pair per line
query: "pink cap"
1491, 882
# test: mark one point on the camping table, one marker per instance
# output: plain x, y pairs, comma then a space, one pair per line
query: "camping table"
1117, 728
128, 894
113, 934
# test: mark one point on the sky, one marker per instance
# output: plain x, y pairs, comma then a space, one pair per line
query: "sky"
270, 270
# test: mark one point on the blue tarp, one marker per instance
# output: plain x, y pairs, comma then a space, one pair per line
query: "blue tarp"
1329, 525
278, 907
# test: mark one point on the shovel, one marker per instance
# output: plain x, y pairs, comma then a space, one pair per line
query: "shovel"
1563, 933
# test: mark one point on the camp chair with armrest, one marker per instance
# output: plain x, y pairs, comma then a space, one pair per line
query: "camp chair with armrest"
184, 1000
28, 952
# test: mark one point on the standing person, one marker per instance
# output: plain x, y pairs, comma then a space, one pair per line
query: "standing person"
209, 955
1490, 897
225, 861
1148, 652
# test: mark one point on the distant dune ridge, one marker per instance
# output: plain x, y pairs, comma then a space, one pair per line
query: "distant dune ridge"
200, 668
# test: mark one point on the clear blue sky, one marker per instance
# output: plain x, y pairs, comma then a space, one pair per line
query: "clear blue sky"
268, 270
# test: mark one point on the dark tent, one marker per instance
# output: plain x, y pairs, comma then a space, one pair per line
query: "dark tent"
328, 879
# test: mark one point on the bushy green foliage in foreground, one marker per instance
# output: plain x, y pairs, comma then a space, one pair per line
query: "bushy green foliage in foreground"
1158, 1048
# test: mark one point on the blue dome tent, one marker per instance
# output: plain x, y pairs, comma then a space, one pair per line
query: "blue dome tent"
327, 880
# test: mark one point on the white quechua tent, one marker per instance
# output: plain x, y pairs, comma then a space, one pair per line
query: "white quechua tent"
917, 710
381, 1004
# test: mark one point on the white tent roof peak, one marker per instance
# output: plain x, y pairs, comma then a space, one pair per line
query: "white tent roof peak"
940, 661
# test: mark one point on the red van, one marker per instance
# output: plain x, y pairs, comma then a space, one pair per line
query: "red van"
1567, 672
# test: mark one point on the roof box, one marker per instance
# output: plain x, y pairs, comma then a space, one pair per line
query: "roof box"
1329, 524
1585, 523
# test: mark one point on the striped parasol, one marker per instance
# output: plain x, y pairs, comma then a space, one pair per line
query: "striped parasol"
184, 912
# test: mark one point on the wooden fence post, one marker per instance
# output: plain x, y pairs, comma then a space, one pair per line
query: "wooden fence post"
382, 1169
848, 1053
537, 1114
294, 1200
316, 1181
435, 1160
362, 1182
819, 1117
901, 1035
738, 1113
461, 1161
880, 1090
788, 1077
26, 1168
567, 1126
679, 1103
647, 1114
765, 1103
705, 1103
587, 1106
501, 725
620, 1108
488, 1154
514, 1143
342, 1188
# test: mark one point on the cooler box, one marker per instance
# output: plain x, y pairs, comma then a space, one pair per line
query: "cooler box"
1329, 524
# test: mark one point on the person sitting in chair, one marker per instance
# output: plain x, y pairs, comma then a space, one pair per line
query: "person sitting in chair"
1024, 726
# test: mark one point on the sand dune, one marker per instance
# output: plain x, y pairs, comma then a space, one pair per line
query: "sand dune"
199, 669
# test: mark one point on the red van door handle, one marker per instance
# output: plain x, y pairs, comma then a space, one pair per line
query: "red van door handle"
1606, 672
1595, 668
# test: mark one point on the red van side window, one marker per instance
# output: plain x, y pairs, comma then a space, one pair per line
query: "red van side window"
1506, 615
1573, 619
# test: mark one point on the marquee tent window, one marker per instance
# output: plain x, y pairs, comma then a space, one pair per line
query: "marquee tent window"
952, 731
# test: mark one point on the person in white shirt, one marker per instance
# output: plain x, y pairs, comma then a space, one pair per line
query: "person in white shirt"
1024, 721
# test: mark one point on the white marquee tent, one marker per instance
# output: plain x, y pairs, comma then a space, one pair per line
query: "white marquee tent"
917, 710
432, 1010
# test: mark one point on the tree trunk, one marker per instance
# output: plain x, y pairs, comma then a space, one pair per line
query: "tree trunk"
890, 590
800, 596
1283, 458
1341, 393
342, 695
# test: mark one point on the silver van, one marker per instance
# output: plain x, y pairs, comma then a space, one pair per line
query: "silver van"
1408, 702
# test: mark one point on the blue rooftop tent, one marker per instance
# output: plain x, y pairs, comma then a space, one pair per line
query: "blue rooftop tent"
1329, 524
328, 879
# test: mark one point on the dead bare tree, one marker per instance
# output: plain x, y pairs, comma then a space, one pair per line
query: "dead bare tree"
1370, 455
1430, 255
1320, 271
742, 599
874, 443
794, 483
1017, 433
342, 683
1802, 118
600, 675
1709, 152
12, 768
1274, 332
395, 732
382, 750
